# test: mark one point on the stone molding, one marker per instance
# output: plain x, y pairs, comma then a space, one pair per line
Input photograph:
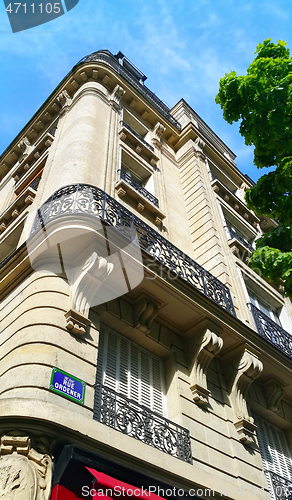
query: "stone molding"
244, 368
202, 347
25, 474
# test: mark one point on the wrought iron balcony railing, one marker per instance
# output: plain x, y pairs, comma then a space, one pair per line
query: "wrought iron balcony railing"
124, 124
271, 331
231, 233
140, 189
139, 422
282, 488
86, 199
106, 56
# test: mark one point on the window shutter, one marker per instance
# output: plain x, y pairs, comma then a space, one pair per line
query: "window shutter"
130, 370
274, 451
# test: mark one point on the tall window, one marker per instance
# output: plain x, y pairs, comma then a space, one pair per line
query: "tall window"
130, 370
276, 459
266, 308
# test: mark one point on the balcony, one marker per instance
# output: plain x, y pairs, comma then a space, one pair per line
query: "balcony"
142, 198
137, 141
282, 488
137, 421
236, 203
83, 199
239, 245
271, 331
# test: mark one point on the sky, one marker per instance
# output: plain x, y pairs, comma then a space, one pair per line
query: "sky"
183, 47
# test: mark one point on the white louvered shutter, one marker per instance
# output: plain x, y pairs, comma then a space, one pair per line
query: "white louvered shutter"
130, 370
274, 451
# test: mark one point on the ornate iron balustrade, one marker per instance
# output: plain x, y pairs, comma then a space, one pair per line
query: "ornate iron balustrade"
271, 331
124, 124
282, 488
86, 199
139, 422
140, 189
106, 56
231, 233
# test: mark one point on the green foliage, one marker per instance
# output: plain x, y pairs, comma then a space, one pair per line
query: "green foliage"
262, 102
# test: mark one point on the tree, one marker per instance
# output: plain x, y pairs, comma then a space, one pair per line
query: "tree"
262, 101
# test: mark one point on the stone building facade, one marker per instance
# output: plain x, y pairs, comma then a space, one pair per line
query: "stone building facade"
138, 349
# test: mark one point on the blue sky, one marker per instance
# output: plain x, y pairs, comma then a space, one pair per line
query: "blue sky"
183, 46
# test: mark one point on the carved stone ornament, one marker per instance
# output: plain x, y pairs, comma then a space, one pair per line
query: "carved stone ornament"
157, 134
202, 347
84, 285
25, 147
199, 145
64, 99
243, 370
145, 311
25, 474
116, 96
273, 391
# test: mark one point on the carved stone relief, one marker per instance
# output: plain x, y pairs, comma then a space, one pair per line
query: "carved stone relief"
25, 474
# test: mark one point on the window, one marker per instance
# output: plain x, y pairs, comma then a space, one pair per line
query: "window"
266, 308
130, 370
276, 459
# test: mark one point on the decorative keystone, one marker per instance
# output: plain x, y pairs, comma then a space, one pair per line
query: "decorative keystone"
145, 311
273, 391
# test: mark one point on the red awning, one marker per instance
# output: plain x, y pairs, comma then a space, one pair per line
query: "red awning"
113, 488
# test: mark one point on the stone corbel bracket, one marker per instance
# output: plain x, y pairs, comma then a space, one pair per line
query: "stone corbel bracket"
85, 282
145, 311
25, 147
156, 135
202, 345
273, 389
64, 100
199, 145
116, 96
23, 470
244, 367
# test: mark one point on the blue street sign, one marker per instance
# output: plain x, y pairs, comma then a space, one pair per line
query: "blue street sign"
66, 385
